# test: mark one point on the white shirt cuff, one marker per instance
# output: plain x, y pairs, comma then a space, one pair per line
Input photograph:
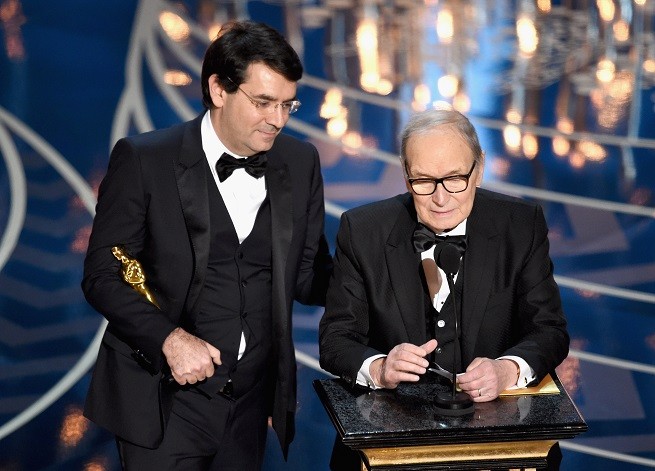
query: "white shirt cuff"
526, 376
364, 375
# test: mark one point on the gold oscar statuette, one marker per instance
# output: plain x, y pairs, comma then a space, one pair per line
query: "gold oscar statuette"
132, 272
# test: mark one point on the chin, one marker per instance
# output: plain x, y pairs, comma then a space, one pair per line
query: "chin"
442, 225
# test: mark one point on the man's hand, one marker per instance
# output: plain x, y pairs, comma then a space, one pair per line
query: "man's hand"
485, 379
190, 358
405, 362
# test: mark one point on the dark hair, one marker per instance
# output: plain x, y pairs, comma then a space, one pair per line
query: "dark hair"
241, 43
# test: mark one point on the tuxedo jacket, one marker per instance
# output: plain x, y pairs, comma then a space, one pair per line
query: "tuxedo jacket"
154, 202
510, 303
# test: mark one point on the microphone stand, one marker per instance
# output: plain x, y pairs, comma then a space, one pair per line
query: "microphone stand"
453, 403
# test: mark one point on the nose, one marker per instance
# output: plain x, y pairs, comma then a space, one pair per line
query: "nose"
440, 195
277, 118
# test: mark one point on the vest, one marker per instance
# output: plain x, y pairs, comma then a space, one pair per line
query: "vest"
441, 325
236, 298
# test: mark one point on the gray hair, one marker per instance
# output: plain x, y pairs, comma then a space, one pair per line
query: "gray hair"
427, 121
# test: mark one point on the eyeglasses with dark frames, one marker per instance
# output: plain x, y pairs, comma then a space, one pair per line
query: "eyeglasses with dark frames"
452, 184
266, 107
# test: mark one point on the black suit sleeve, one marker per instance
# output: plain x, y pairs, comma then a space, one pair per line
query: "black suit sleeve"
539, 323
344, 328
316, 262
120, 219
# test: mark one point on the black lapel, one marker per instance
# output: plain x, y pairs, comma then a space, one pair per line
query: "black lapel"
278, 185
191, 176
483, 243
404, 267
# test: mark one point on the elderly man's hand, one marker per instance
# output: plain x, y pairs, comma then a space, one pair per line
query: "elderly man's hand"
485, 379
405, 362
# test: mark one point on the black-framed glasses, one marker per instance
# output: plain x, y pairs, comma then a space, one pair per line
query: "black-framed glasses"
452, 184
266, 107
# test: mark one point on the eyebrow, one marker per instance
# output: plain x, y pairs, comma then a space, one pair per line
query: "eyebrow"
453, 173
264, 96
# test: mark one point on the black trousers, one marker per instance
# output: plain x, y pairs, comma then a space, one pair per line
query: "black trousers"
203, 434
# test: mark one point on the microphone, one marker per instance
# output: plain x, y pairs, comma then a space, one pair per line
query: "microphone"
456, 403
448, 259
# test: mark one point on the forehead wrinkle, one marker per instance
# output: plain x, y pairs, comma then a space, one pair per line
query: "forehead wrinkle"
452, 139
421, 174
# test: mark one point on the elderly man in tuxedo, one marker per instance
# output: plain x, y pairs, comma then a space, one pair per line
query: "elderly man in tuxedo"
225, 216
388, 309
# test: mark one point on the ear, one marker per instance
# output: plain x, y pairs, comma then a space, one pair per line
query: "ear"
216, 91
479, 171
403, 166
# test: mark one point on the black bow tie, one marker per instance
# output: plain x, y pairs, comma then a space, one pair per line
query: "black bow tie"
424, 238
255, 165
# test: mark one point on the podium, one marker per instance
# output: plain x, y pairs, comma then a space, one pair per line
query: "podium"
402, 429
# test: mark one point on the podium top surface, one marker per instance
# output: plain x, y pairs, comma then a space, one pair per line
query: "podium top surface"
407, 416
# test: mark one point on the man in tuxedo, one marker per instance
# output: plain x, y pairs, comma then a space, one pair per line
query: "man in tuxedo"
389, 307
225, 217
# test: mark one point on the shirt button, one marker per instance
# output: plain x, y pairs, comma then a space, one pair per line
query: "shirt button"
441, 323
244, 283
438, 350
